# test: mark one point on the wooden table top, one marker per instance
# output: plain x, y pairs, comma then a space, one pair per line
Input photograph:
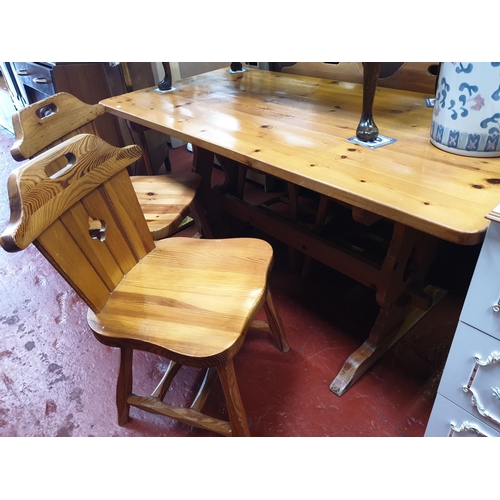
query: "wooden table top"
296, 128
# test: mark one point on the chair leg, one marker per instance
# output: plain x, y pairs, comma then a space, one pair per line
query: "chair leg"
237, 415
202, 221
124, 384
139, 130
293, 196
161, 389
275, 323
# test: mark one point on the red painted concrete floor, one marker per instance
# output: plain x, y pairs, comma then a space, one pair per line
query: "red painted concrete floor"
57, 380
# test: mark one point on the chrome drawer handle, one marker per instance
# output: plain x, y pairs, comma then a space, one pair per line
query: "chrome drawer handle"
41, 80
496, 307
22, 72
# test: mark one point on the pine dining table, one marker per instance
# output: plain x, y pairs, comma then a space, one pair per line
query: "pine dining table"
298, 129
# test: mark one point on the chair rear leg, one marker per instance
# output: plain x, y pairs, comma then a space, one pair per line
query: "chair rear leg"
275, 323
201, 219
237, 415
124, 384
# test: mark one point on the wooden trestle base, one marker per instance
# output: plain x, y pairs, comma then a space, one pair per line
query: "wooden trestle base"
398, 281
360, 360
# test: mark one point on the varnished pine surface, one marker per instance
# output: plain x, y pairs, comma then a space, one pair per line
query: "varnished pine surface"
190, 296
296, 128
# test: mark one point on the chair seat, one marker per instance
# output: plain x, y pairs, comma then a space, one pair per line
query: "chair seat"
166, 200
192, 298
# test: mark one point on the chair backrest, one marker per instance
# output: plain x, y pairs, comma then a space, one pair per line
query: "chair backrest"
414, 76
76, 203
50, 121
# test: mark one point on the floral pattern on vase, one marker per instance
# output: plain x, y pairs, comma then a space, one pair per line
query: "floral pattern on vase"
466, 117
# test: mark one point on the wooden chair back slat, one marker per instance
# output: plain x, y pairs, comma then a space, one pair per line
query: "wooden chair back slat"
73, 264
76, 222
100, 208
62, 213
51, 121
127, 207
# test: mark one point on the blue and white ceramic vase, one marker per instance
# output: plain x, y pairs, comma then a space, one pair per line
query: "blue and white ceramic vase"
466, 118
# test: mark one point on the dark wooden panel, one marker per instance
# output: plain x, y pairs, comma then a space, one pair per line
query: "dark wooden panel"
88, 82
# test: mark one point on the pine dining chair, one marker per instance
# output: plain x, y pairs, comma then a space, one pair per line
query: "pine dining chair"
190, 300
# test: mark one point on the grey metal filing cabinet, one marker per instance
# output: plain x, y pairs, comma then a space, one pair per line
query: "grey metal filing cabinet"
468, 398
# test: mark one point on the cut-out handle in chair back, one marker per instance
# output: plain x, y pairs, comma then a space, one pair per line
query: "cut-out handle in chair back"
50, 121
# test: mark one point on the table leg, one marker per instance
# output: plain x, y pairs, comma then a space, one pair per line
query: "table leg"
401, 298
400, 293
203, 162
210, 197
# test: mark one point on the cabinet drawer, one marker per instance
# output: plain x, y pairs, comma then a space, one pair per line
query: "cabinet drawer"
35, 76
484, 289
449, 420
481, 379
